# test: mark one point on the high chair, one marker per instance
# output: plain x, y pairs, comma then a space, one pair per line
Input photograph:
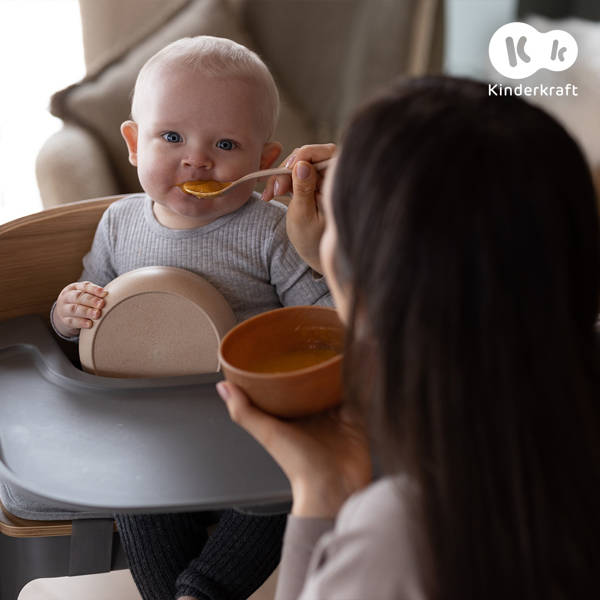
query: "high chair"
39, 254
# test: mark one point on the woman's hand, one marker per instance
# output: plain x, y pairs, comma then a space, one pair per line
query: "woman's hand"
304, 221
325, 456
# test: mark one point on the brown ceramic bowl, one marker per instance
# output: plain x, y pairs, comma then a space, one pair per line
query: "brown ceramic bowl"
269, 356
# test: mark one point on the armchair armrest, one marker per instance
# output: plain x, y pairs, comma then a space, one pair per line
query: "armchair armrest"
72, 166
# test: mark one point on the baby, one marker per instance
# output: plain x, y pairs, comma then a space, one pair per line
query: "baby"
203, 108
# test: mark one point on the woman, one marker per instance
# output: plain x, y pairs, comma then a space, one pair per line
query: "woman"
461, 246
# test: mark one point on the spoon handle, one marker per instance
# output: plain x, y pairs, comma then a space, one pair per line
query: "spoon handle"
280, 171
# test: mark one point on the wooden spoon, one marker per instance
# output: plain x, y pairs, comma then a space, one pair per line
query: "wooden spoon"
209, 188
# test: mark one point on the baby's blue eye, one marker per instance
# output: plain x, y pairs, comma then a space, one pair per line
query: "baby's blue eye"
172, 137
226, 144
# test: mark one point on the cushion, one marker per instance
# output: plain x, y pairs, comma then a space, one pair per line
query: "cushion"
106, 38
26, 506
89, 172
101, 101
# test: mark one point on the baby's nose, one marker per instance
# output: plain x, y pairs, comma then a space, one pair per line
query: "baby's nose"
198, 160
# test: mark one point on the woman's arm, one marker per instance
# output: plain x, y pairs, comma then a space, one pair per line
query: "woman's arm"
326, 459
369, 554
324, 456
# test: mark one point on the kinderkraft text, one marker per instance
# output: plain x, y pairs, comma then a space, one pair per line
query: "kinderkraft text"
497, 89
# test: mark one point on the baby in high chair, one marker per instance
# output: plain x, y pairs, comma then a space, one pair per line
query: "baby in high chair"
203, 108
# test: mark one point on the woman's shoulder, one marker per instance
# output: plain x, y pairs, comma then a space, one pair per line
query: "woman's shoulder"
386, 500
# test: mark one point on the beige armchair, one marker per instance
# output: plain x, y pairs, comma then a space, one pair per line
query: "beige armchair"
326, 56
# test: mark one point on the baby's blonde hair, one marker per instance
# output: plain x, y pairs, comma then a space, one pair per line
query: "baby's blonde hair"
217, 57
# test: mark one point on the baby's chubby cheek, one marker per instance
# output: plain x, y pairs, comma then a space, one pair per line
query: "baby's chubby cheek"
153, 179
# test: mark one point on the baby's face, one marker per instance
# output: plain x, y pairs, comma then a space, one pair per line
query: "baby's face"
193, 127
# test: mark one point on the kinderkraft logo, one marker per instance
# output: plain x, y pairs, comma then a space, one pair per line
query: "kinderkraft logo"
518, 50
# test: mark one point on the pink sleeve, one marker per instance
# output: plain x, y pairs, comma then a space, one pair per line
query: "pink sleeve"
301, 537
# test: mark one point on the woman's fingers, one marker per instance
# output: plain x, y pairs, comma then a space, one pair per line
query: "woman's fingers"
283, 183
285, 441
325, 456
312, 153
268, 192
304, 220
273, 186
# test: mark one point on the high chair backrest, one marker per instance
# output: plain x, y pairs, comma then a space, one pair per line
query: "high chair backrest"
41, 253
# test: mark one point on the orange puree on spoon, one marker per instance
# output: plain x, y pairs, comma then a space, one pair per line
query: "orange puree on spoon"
204, 187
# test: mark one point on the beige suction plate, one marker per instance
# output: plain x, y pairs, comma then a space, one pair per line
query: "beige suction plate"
157, 322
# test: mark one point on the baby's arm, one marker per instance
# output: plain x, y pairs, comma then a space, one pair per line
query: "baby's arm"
78, 305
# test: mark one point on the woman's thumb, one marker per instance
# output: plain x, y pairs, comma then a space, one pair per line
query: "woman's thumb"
304, 177
234, 398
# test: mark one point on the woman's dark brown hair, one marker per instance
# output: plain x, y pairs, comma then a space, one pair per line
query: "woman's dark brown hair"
468, 232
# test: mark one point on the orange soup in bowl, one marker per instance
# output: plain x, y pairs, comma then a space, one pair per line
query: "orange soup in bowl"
292, 360
288, 360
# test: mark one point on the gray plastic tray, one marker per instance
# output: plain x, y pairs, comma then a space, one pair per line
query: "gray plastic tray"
122, 445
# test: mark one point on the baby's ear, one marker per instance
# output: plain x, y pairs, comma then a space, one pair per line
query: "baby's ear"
129, 131
270, 153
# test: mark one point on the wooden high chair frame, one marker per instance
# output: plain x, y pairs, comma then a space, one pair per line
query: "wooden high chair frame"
39, 255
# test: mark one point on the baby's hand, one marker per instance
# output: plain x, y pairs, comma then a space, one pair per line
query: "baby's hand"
77, 306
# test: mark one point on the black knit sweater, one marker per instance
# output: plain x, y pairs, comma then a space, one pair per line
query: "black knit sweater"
171, 555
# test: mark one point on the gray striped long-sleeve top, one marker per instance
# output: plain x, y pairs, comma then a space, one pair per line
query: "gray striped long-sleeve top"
246, 254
